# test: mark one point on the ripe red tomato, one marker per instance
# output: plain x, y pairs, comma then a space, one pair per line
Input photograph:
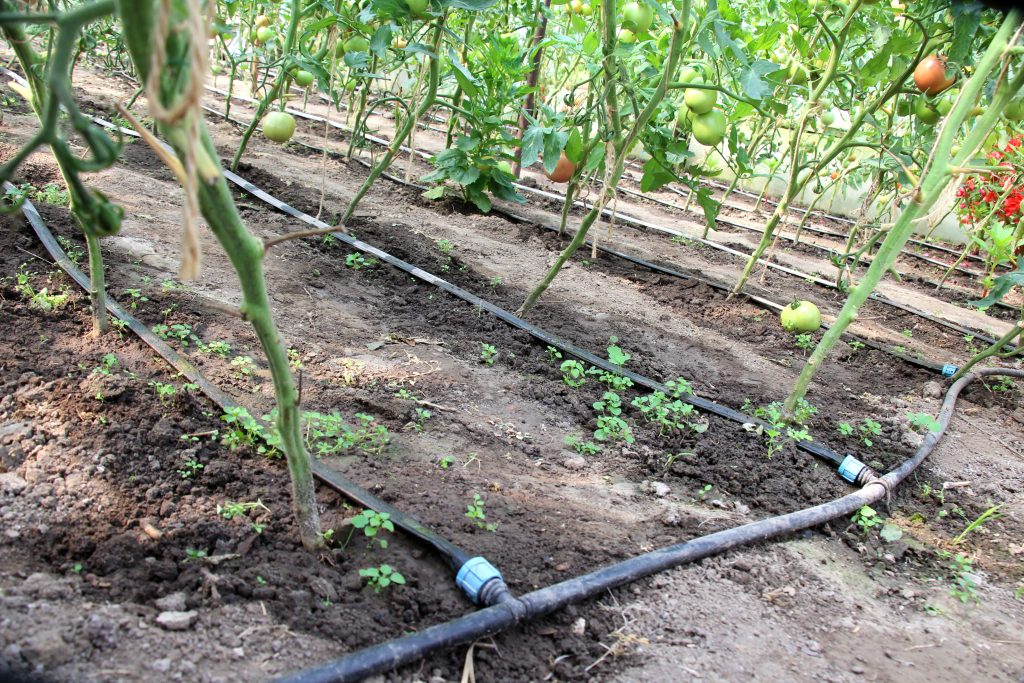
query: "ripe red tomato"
930, 75
563, 170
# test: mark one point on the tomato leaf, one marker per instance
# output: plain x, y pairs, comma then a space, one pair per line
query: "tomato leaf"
471, 5
380, 41
966, 19
434, 193
709, 204
751, 82
1002, 285
466, 80
574, 146
655, 176
533, 143
554, 143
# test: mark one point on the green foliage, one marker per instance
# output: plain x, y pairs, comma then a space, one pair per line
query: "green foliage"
476, 513
923, 422
866, 518
776, 432
357, 261
580, 446
373, 524
610, 425
42, 299
573, 373
380, 578
488, 354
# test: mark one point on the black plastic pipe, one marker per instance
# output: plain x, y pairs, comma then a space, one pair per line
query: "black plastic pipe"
640, 223
455, 557
511, 611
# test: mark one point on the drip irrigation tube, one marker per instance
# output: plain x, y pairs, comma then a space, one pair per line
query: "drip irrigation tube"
548, 338
946, 369
468, 567
848, 467
637, 222
511, 611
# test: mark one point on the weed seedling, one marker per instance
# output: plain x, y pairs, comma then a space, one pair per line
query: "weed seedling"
445, 246
357, 261
495, 282
475, 512
406, 395
136, 298
372, 523
446, 461
243, 365
573, 373
422, 415
106, 366
991, 514
190, 469
381, 577
961, 568
221, 348
580, 446
856, 345
294, 360
192, 554
923, 422
553, 354
230, 510
488, 354
805, 342
866, 518
164, 392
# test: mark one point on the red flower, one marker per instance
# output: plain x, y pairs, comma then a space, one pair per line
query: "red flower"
989, 196
1012, 204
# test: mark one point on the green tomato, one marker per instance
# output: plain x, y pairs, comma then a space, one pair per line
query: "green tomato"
688, 75
925, 112
709, 128
802, 317
586, 9
683, 115
303, 78
828, 118
417, 7
279, 126
357, 44
1014, 110
637, 17
798, 73
700, 101
626, 36
264, 34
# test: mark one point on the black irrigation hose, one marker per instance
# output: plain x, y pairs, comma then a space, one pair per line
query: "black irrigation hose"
511, 611
849, 467
944, 369
505, 316
626, 218
833, 254
455, 556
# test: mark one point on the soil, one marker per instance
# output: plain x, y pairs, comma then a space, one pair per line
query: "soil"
107, 526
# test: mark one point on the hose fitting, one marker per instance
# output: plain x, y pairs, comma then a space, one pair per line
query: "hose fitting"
480, 580
949, 370
854, 471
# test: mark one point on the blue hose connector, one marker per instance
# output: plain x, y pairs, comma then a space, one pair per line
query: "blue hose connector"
850, 468
949, 370
474, 575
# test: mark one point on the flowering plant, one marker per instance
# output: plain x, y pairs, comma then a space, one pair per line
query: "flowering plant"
990, 207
